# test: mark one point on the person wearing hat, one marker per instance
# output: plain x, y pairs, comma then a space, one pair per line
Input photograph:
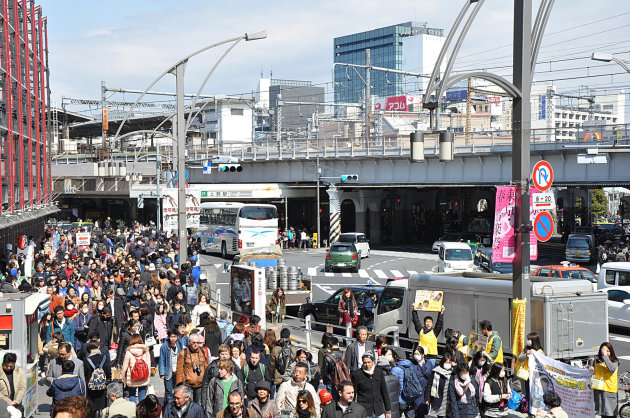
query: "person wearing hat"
263, 406
325, 398
370, 388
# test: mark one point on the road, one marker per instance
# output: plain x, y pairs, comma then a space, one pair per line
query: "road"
389, 263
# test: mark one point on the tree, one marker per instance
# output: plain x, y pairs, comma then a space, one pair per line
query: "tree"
599, 202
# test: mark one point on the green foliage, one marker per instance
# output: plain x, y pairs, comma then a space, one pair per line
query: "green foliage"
599, 202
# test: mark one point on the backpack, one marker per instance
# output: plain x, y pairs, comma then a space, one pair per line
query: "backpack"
140, 370
340, 373
246, 371
98, 380
100, 247
411, 388
285, 358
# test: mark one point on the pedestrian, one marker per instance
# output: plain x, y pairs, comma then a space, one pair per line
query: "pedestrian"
479, 370
306, 405
212, 336
333, 360
277, 307
159, 322
605, 381
287, 395
135, 369
73, 406
355, 351
236, 408
282, 354
348, 309
494, 348
369, 308
522, 363
303, 239
370, 388
291, 238
424, 371
66, 385
191, 363
167, 364
81, 325
552, 401
149, 408
461, 394
496, 392
439, 388
254, 372
125, 341
61, 324
96, 362
12, 380
345, 407
183, 405
220, 387
55, 367
263, 406
202, 306
428, 333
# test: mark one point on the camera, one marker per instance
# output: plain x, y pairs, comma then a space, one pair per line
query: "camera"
197, 369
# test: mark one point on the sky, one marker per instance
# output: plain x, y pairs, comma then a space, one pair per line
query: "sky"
127, 44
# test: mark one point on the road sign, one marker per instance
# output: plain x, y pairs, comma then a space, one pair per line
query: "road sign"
544, 201
140, 202
542, 175
543, 226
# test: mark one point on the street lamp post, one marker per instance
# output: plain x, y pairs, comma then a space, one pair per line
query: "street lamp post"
178, 70
601, 56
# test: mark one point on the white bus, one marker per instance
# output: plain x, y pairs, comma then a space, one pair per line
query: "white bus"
228, 227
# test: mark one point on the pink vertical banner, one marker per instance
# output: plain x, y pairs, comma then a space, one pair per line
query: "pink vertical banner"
503, 237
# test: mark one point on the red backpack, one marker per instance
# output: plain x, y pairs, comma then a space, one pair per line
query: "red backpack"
140, 370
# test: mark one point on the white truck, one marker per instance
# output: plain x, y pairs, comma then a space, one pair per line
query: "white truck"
570, 317
455, 257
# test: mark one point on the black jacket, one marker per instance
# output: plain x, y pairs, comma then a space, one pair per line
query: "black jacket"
213, 341
103, 330
371, 391
460, 409
123, 344
98, 397
352, 354
354, 410
393, 390
329, 365
419, 324
252, 376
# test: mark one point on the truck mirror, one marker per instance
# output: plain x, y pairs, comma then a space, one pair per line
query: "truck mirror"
226, 266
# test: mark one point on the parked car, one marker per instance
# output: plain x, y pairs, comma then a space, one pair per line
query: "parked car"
614, 274
342, 256
618, 306
359, 240
566, 271
327, 311
455, 237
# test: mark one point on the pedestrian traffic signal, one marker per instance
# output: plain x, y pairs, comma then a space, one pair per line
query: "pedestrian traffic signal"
230, 168
349, 178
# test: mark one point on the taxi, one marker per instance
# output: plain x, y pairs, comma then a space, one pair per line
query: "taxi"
566, 270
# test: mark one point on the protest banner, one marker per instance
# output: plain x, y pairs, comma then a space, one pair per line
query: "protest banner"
428, 300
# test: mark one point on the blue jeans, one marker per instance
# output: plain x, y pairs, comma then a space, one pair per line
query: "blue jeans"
168, 389
137, 395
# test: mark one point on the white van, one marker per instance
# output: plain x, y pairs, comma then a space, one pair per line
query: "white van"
614, 274
359, 240
454, 257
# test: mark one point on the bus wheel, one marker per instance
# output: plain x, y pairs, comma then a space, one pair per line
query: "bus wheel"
224, 253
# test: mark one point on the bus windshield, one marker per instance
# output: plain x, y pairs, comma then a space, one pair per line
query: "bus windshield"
258, 213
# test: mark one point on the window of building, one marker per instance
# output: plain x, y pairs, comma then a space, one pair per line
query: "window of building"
570, 115
608, 107
236, 112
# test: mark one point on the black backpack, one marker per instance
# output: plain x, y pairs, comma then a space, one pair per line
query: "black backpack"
285, 358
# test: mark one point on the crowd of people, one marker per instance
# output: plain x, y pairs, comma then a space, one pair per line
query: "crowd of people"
125, 308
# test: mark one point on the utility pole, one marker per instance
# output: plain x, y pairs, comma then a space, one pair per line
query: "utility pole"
181, 163
521, 130
368, 98
157, 184
319, 234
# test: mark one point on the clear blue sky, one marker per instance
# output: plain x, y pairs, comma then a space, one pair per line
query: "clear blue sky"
128, 43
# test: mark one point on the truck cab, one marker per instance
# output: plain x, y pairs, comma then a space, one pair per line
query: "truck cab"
454, 257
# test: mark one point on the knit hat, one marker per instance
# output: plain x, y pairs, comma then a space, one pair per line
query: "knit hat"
263, 384
325, 396
243, 319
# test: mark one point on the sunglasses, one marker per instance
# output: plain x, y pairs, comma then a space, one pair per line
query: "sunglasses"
302, 401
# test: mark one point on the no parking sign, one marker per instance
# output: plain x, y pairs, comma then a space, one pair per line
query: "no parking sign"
543, 226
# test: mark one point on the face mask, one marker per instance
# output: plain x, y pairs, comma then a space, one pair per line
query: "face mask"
389, 358
463, 377
502, 374
418, 358
447, 366
100, 308
529, 343
84, 311
70, 307
481, 363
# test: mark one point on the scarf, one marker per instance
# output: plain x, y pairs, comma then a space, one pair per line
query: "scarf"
460, 388
371, 371
303, 413
435, 385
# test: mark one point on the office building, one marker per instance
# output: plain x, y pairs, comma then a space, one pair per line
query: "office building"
410, 46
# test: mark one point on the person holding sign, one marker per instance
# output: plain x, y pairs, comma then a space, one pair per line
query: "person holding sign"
522, 362
494, 348
604, 381
427, 334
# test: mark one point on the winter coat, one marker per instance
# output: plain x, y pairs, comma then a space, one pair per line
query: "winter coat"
54, 369
269, 409
159, 322
424, 373
371, 391
66, 328
352, 354
272, 309
197, 311
286, 396
193, 411
133, 354
123, 345
65, 386
399, 372
460, 409
186, 361
328, 368
214, 396
226, 413
354, 410
393, 390
80, 330
104, 330
164, 363
98, 397
343, 309
19, 385
276, 376
253, 375
213, 341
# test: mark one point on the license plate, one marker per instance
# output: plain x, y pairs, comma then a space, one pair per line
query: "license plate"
577, 255
341, 264
250, 244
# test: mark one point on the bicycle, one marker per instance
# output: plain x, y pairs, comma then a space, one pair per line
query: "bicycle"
624, 384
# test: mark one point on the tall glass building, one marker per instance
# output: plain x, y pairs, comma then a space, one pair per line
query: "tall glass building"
407, 46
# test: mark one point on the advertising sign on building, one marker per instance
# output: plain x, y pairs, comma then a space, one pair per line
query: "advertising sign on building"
397, 103
170, 204
503, 238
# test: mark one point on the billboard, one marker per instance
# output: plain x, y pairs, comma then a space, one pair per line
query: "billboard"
170, 204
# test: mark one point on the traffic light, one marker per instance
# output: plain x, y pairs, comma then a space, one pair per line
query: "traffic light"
230, 168
347, 178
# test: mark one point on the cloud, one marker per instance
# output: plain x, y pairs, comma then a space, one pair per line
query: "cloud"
90, 33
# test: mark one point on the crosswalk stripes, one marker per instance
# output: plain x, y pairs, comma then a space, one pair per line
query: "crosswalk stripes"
364, 273
218, 266
380, 274
412, 272
622, 339
397, 273
346, 274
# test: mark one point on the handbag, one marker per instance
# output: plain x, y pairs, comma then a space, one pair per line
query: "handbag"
156, 350
150, 341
